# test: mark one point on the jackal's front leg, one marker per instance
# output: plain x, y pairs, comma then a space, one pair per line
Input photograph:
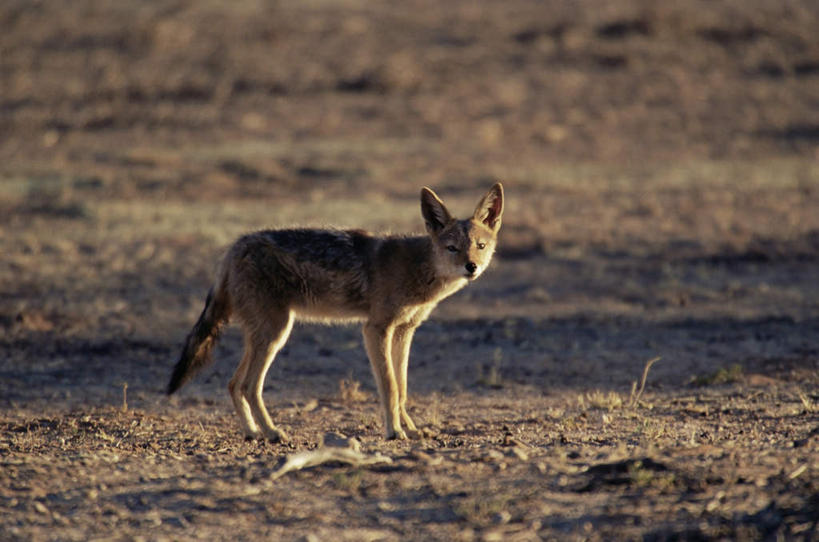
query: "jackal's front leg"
402, 338
378, 342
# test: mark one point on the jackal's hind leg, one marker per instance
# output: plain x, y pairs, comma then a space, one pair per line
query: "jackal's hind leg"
249, 427
263, 342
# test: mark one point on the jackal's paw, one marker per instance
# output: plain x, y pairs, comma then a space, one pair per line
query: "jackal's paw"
276, 435
421, 434
396, 435
252, 435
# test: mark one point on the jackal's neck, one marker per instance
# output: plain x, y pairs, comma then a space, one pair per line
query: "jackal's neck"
424, 255
438, 284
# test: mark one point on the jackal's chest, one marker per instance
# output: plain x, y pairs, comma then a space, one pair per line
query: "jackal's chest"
443, 290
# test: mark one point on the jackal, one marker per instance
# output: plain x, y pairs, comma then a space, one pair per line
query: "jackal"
270, 278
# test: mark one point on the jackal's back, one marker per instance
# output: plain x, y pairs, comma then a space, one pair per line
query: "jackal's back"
339, 251
317, 273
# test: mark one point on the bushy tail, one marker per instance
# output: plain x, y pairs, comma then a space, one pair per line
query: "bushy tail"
202, 338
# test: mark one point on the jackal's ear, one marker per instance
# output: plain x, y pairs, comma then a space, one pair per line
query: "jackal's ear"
435, 213
490, 209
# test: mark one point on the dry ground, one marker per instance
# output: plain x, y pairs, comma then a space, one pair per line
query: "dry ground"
660, 161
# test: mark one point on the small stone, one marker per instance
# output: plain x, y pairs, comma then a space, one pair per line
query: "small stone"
520, 453
494, 455
337, 440
426, 458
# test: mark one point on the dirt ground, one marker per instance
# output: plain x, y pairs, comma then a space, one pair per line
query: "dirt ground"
661, 166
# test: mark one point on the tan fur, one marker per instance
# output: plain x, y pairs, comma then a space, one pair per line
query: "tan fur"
270, 278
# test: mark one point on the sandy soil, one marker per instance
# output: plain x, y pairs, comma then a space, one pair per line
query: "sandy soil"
660, 163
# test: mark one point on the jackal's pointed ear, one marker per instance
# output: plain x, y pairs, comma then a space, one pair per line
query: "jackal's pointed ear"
435, 212
490, 209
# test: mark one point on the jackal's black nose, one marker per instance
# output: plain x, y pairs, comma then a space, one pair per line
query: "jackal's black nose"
471, 267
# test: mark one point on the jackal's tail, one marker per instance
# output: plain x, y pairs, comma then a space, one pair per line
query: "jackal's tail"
202, 338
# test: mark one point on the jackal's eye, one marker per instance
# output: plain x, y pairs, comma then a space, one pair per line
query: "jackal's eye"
481, 246
452, 248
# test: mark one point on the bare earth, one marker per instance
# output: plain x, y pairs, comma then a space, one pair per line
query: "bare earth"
661, 164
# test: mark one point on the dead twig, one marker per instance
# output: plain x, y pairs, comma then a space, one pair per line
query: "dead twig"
328, 453
125, 397
637, 393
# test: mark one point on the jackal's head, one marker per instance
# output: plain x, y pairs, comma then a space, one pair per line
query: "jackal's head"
463, 248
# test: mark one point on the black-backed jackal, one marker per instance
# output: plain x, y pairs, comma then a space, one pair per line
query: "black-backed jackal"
270, 278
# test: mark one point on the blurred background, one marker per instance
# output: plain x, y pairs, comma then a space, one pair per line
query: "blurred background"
660, 163
661, 170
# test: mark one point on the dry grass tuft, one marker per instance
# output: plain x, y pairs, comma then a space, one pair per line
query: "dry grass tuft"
600, 400
489, 376
613, 400
809, 405
433, 411
349, 390
724, 375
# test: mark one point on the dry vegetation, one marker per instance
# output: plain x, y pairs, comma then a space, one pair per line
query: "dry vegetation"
660, 161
